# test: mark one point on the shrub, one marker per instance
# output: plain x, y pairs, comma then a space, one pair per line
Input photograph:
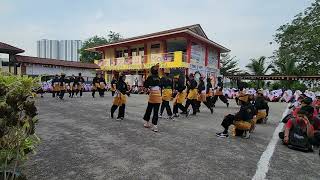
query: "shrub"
17, 122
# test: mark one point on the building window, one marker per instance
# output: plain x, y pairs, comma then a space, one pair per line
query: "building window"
141, 51
119, 54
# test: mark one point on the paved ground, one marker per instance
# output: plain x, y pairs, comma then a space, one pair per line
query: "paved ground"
80, 141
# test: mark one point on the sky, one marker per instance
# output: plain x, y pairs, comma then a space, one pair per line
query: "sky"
245, 26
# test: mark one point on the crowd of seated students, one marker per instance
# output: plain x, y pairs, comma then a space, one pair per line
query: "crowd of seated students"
302, 125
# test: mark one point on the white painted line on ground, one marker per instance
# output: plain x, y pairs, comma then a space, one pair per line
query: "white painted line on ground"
264, 162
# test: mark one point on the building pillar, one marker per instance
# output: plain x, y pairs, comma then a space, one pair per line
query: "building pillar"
164, 46
206, 56
145, 59
188, 55
218, 50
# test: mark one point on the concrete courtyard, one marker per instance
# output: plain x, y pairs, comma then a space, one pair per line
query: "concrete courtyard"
81, 141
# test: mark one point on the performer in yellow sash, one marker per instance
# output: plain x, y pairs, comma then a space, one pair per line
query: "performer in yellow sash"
219, 94
62, 84
71, 86
166, 86
102, 85
241, 120
55, 86
80, 85
153, 84
120, 98
209, 94
192, 95
181, 94
202, 96
95, 85
113, 85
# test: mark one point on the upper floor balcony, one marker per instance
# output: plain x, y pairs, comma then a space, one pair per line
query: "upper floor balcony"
175, 59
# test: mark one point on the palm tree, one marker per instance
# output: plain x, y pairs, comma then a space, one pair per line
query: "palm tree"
257, 67
285, 67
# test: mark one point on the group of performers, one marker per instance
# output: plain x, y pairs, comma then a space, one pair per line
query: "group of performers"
75, 85
163, 90
72, 85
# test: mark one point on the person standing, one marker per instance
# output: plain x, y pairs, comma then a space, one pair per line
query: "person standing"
95, 85
113, 85
153, 84
192, 95
80, 85
62, 83
166, 86
55, 86
71, 86
120, 98
209, 95
180, 96
219, 94
102, 85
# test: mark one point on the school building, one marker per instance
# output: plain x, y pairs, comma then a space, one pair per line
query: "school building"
182, 50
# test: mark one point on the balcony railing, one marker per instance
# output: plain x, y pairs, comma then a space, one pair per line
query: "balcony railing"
166, 60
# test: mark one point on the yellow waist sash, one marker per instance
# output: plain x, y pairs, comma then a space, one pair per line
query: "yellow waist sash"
155, 96
181, 97
193, 94
119, 99
167, 94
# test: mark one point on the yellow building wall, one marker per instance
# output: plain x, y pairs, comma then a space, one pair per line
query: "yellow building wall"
110, 56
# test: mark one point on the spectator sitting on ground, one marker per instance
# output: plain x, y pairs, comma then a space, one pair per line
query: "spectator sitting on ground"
298, 132
306, 103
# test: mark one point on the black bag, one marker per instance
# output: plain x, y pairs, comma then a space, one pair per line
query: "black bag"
287, 117
298, 138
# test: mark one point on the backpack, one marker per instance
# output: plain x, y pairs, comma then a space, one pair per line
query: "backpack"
298, 138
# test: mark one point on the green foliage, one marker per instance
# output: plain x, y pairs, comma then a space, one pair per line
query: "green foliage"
87, 56
276, 85
17, 120
300, 43
259, 67
296, 85
229, 65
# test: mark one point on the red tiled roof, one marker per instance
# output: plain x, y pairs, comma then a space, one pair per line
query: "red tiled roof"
195, 29
55, 62
8, 49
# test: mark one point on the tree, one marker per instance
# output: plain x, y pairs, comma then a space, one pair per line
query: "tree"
229, 66
300, 41
258, 68
89, 57
285, 67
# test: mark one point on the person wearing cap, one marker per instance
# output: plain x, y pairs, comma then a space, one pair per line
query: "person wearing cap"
55, 86
241, 120
166, 86
62, 84
219, 94
181, 94
102, 85
113, 87
80, 85
152, 83
120, 98
192, 95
